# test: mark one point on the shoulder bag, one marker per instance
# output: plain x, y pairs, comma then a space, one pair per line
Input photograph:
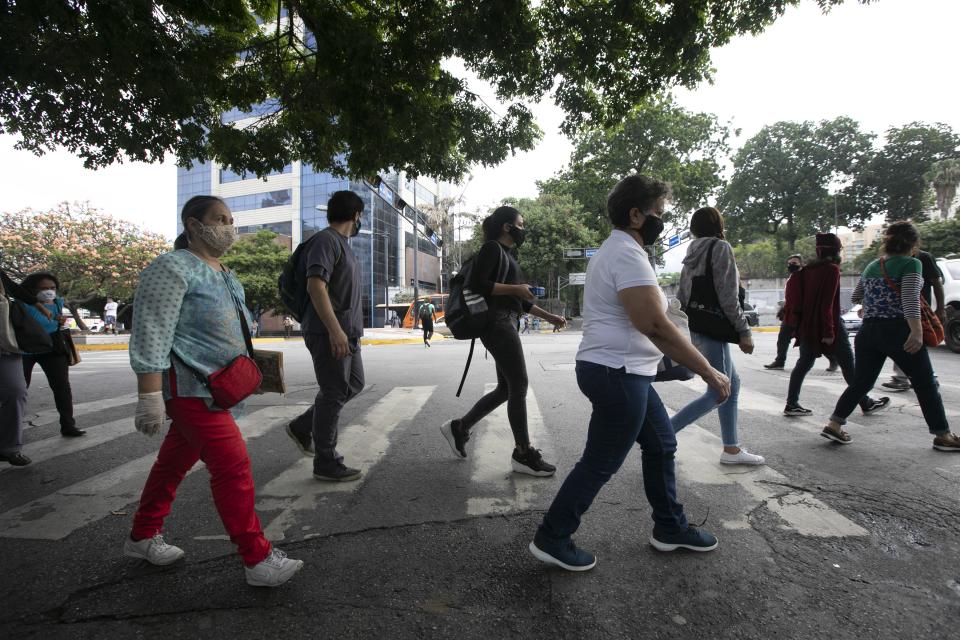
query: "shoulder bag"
932, 328
703, 308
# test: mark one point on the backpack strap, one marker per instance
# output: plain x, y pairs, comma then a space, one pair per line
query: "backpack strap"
890, 283
466, 367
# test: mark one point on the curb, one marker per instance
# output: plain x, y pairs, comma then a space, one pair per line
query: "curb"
102, 347
766, 329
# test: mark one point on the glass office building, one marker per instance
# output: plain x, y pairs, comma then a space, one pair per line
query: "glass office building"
286, 202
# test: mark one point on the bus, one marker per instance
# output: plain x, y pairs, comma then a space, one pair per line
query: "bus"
413, 309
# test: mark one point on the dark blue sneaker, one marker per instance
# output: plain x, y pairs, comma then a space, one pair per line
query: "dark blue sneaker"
565, 555
693, 539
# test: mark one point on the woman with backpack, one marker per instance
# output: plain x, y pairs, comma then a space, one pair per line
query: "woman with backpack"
889, 290
497, 277
710, 255
428, 314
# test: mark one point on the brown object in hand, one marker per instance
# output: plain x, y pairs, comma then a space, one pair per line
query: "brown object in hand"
270, 364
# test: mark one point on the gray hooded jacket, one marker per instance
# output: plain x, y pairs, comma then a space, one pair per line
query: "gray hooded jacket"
726, 278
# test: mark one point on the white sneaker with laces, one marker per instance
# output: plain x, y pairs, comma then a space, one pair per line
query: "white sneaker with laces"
743, 457
273, 571
154, 550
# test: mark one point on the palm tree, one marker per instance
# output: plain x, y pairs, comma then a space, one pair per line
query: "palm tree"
944, 176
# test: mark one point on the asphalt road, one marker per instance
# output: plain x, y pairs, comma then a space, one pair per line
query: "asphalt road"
826, 541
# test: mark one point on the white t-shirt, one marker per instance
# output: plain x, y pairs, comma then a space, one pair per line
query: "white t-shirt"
609, 338
110, 309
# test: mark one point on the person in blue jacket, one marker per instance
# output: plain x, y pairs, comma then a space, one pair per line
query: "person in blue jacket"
54, 363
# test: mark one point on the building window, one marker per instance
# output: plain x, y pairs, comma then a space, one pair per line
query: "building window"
260, 200
226, 175
280, 228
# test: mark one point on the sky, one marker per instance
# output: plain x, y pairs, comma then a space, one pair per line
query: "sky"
885, 64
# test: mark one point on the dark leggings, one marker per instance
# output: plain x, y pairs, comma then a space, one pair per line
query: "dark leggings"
57, 369
503, 342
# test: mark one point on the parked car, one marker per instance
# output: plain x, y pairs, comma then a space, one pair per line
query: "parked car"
950, 268
750, 313
851, 319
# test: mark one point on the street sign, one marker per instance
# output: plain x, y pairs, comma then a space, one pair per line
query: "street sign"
578, 278
589, 253
674, 240
573, 253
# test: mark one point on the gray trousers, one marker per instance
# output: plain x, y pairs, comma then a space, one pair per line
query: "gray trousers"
13, 403
340, 381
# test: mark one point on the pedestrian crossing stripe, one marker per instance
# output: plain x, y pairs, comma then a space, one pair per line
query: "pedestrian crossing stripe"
494, 489
51, 415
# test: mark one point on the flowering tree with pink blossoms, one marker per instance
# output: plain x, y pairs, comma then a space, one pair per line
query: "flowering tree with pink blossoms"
92, 254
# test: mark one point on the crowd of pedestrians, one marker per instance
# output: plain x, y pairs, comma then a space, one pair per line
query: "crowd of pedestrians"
192, 352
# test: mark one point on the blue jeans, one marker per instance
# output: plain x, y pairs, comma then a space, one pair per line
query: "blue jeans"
626, 409
718, 355
876, 341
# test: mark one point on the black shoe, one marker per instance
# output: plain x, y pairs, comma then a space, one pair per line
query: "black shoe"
774, 365
72, 432
16, 459
532, 463
338, 473
877, 405
304, 443
897, 385
795, 411
456, 436
833, 368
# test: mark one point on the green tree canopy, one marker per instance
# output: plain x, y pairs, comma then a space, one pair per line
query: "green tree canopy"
658, 138
891, 182
257, 261
763, 259
944, 176
782, 175
348, 86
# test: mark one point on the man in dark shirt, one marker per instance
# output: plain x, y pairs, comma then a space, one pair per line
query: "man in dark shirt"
932, 283
332, 326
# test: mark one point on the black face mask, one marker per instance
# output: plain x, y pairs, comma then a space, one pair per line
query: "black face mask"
793, 268
518, 235
651, 229
356, 228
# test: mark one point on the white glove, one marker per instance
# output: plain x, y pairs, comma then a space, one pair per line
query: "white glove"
151, 413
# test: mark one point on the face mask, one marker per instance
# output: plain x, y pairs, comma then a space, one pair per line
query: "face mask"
219, 237
651, 229
793, 268
518, 235
356, 227
47, 295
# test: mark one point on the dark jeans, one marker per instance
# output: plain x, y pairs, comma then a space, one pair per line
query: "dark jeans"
842, 354
783, 342
427, 326
626, 409
503, 343
13, 402
340, 381
878, 340
57, 370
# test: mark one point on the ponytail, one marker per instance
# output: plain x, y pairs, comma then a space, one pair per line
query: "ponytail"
182, 242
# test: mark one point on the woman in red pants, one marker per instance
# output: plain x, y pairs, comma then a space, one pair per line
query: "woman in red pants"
186, 325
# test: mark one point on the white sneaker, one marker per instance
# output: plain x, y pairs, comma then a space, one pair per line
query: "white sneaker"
273, 571
744, 457
154, 550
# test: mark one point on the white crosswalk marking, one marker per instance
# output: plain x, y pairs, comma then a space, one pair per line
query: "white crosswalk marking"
55, 516
363, 444
490, 456
697, 460
56, 446
46, 417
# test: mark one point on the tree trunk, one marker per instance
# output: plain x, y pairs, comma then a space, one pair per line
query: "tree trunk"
791, 235
75, 310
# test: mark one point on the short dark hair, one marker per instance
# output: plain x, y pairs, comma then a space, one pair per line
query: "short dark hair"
707, 223
493, 223
634, 191
343, 206
797, 256
901, 238
196, 207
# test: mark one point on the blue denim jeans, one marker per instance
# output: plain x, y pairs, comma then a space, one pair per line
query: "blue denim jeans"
718, 355
626, 409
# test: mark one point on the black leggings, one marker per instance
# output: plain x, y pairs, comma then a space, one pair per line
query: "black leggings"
57, 369
427, 326
503, 342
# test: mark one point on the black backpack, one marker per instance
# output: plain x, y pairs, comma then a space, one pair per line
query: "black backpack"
292, 283
467, 313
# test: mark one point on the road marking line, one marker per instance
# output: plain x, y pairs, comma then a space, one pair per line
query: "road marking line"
697, 454
83, 408
363, 444
55, 516
491, 457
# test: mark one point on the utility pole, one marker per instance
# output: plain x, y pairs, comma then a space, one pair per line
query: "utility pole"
416, 252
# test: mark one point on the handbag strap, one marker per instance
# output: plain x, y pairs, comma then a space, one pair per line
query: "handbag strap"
890, 283
243, 317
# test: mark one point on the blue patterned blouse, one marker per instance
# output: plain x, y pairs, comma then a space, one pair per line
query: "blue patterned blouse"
184, 307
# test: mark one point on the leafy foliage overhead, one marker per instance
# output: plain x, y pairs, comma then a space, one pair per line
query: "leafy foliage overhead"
362, 84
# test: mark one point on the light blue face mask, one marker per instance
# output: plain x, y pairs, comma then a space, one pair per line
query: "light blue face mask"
47, 295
